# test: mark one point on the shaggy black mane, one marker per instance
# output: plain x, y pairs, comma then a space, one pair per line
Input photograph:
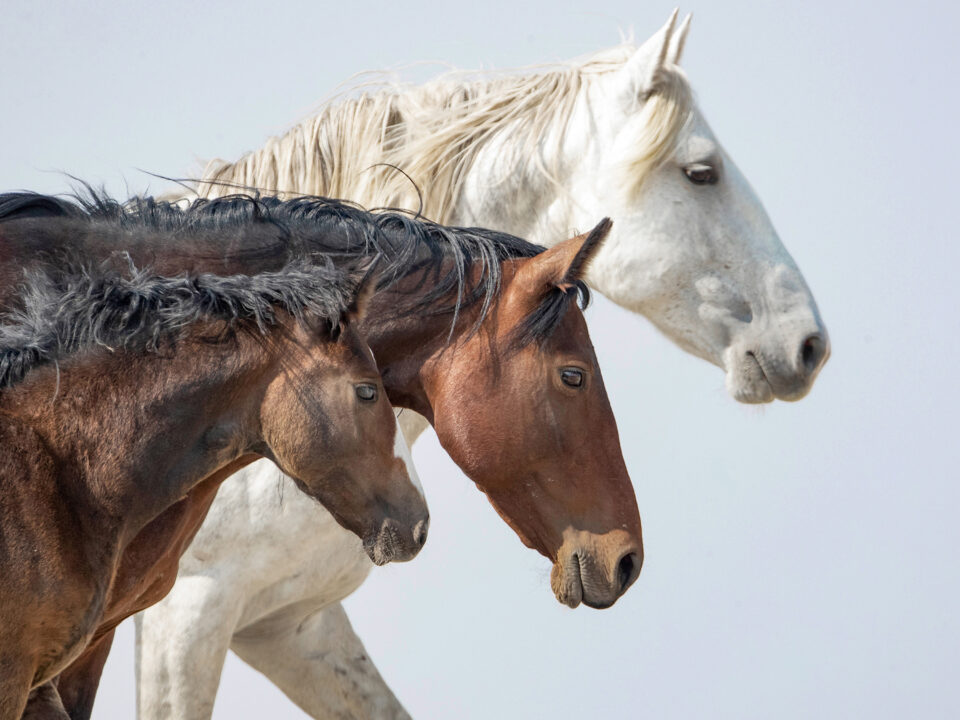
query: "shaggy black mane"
444, 258
142, 312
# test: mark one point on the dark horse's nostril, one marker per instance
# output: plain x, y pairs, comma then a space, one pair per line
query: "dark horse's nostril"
812, 352
420, 533
627, 570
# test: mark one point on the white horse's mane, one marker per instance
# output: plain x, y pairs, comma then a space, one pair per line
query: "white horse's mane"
353, 147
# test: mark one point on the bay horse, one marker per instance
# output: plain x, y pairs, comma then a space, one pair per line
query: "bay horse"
478, 331
121, 393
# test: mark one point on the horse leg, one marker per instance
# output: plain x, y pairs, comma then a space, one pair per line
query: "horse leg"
322, 666
182, 642
79, 682
45, 704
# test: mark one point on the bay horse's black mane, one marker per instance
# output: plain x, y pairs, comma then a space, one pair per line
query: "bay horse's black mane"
445, 257
141, 312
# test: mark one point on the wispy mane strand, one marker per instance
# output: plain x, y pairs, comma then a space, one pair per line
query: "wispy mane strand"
435, 132
139, 311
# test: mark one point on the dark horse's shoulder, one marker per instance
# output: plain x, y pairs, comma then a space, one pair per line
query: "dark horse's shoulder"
26, 465
23, 447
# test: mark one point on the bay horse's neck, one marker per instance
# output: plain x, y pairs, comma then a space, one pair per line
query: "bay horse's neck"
408, 345
132, 434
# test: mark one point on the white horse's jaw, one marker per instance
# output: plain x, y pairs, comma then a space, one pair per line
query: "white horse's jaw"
749, 313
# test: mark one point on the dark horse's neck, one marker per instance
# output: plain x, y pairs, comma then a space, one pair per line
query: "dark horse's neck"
131, 434
402, 344
42, 242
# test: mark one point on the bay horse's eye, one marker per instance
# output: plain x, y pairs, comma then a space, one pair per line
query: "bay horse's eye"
701, 174
572, 377
367, 392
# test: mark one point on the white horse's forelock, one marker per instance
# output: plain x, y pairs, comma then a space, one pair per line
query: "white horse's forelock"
666, 111
352, 148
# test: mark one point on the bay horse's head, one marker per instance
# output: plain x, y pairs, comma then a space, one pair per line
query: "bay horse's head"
326, 422
521, 407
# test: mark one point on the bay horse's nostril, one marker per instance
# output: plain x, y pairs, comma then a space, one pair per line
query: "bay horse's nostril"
812, 352
420, 532
627, 571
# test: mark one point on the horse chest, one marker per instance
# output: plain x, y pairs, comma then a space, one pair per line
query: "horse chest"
148, 566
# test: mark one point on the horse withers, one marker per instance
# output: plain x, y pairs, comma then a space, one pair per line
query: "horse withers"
122, 393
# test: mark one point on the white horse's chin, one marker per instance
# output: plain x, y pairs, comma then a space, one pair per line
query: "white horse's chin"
755, 378
747, 383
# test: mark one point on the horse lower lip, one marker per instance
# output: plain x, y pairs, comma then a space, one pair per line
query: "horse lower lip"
793, 391
763, 374
598, 606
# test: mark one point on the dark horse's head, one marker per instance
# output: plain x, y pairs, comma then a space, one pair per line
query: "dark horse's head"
270, 364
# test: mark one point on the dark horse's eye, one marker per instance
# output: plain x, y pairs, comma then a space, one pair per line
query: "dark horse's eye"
701, 174
367, 392
572, 377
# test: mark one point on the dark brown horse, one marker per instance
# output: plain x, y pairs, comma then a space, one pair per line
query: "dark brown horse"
121, 394
478, 331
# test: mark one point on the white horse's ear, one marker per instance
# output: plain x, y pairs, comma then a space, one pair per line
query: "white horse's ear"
678, 40
640, 72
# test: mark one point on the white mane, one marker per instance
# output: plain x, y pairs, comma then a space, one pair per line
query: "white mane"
433, 133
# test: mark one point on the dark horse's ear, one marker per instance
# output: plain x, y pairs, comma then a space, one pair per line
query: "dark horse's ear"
565, 263
367, 279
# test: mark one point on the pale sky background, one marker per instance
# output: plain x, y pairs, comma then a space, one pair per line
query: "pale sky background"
801, 559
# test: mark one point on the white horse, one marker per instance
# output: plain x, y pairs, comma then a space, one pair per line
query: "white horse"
538, 154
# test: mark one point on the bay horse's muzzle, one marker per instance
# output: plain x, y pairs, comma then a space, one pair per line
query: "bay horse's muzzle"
595, 569
395, 541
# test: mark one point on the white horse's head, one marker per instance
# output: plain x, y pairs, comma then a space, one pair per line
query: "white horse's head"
692, 248
541, 154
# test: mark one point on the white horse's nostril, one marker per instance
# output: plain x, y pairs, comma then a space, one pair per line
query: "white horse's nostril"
813, 350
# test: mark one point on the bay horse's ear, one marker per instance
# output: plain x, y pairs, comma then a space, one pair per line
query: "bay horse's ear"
565, 263
364, 291
583, 247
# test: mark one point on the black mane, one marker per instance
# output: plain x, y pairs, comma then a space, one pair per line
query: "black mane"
142, 312
442, 257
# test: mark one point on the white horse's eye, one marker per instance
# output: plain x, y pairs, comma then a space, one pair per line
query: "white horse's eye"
701, 174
